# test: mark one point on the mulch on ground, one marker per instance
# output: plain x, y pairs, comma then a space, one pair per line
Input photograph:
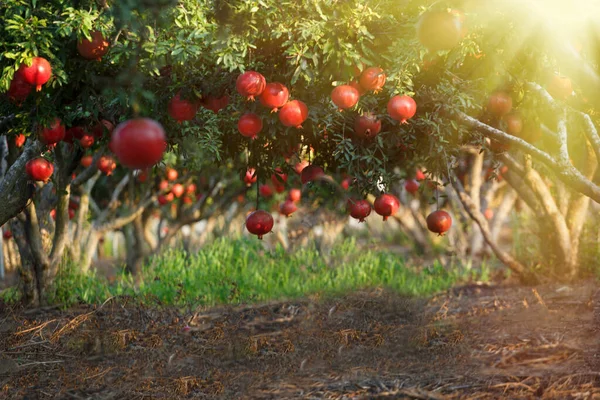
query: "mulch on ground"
473, 342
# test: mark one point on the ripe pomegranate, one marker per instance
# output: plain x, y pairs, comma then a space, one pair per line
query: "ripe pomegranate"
139, 143
280, 178
178, 190
265, 191
488, 213
372, 78
106, 165
560, 87
249, 177
346, 183
419, 175
293, 114
19, 89
76, 132
54, 133
7, 234
401, 108
20, 140
250, 125
86, 141
250, 84
142, 176
386, 205
101, 127
74, 204
299, 167
39, 169
165, 198
500, 104
295, 195
439, 222
311, 173
191, 188
163, 185
86, 161
439, 30
514, 124
53, 214
274, 96
359, 209
172, 174
93, 49
411, 186
259, 223
287, 208
38, 73
215, 104
344, 96
367, 126
182, 109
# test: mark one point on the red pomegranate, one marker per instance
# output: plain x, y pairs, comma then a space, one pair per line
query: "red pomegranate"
249, 177
163, 185
259, 223
346, 183
293, 114
311, 173
71, 213
7, 234
560, 87
439, 30
20, 140
359, 209
38, 73
191, 188
215, 104
142, 176
287, 208
356, 85
344, 96
401, 108
178, 190
514, 124
274, 96
93, 49
86, 161
54, 133
488, 213
165, 198
299, 167
295, 195
279, 177
419, 175
439, 222
106, 165
372, 78
53, 214
76, 132
499, 104
139, 143
367, 126
39, 169
181, 109
250, 125
411, 186
103, 126
386, 205
250, 84
86, 141
74, 203
171, 174
265, 191
19, 89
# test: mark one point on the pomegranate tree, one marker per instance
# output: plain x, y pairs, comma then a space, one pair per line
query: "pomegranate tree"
367, 126
359, 209
36, 74
274, 96
386, 205
401, 108
250, 84
344, 97
259, 223
93, 49
139, 143
439, 222
39, 169
250, 125
293, 114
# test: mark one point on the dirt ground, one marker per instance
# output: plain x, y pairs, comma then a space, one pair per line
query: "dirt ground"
473, 342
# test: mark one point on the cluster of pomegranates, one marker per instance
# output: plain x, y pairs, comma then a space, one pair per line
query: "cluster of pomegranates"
171, 190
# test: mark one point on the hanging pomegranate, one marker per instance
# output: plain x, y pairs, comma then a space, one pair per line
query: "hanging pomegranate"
439, 222
19, 89
259, 223
250, 84
164, 199
75, 132
249, 177
102, 127
386, 205
265, 191
411, 186
344, 96
178, 190
106, 165
367, 126
93, 49
54, 133
299, 167
401, 108
20, 140
139, 143
419, 175
372, 78
39, 169
295, 195
311, 173
274, 96
38, 73
250, 125
86, 141
346, 183
287, 208
356, 85
215, 104
514, 124
181, 109
560, 87
171, 174
7, 234
293, 114
86, 161
499, 104
359, 209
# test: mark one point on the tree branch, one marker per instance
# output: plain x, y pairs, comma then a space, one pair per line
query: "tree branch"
88, 172
125, 219
113, 200
62, 209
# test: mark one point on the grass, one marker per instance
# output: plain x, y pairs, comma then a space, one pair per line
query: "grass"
242, 271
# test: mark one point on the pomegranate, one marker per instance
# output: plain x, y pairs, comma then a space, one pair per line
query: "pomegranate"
86, 141
93, 49
299, 167
71, 213
488, 213
19, 89
280, 178
499, 104
274, 96
514, 124
53, 214
401, 108
172, 174
411, 186
359, 209
439, 30
250, 125
139, 143
142, 176
356, 85
54, 133
265, 191
372, 78
346, 183
367, 126
293, 113
86, 161
38, 73
386, 205
106, 165
259, 223
20, 140
187, 200
165, 198
287, 208
101, 127
295, 195
439, 222
7, 234
163, 185
311, 173
215, 104
178, 190
250, 84
560, 87
344, 96
74, 204
76, 132
419, 175
181, 109
39, 169
249, 177
191, 188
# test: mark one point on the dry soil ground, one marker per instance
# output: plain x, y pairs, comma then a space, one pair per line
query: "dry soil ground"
473, 342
